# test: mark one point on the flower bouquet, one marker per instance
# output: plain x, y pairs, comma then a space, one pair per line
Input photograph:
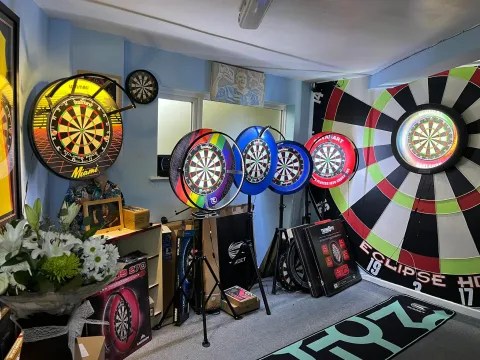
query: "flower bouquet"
46, 271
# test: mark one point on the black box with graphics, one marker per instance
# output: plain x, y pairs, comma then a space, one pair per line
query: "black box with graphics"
124, 306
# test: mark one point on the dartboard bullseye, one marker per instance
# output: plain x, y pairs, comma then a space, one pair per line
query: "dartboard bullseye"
259, 152
204, 169
334, 159
79, 130
294, 167
257, 160
427, 139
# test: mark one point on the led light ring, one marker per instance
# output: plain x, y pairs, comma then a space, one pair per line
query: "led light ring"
429, 139
294, 168
212, 201
335, 159
259, 151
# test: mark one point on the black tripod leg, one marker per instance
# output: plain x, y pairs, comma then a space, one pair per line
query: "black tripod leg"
217, 283
205, 342
278, 242
177, 290
259, 279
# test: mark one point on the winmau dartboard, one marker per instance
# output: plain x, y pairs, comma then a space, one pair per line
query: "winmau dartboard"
76, 128
259, 152
413, 206
142, 86
334, 159
294, 167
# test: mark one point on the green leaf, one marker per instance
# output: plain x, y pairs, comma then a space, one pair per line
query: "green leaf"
63, 212
44, 285
22, 277
37, 206
87, 221
91, 232
32, 217
21, 257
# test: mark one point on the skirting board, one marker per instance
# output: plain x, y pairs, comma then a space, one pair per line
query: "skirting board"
428, 298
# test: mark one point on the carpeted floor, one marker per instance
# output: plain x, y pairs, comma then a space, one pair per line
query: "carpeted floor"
294, 316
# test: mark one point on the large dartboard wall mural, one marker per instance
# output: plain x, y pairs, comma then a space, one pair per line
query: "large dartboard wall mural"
412, 207
76, 128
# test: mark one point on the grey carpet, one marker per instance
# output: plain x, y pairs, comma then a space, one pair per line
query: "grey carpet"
294, 316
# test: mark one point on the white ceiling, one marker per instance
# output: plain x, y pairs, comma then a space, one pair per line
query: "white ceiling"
302, 39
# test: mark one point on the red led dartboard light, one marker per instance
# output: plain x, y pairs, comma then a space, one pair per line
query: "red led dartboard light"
334, 159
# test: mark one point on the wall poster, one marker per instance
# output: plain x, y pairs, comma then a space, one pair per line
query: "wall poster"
9, 166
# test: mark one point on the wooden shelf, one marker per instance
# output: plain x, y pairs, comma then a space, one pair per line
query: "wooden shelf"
153, 257
116, 235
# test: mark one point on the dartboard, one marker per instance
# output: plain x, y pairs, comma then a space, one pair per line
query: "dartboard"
142, 86
294, 167
257, 160
259, 152
75, 128
334, 159
295, 267
123, 320
79, 129
204, 168
336, 253
6, 163
427, 139
412, 208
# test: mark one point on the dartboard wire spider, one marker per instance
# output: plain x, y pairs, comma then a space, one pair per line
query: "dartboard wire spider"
85, 76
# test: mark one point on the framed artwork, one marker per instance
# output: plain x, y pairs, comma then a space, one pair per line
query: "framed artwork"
236, 85
107, 213
10, 207
114, 91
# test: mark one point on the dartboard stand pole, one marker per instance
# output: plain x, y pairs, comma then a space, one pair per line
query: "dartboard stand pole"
197, 267
249, 242
280, 234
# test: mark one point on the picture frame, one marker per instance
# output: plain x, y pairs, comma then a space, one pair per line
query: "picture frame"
10, 179
108, 213
114, 91
237, 85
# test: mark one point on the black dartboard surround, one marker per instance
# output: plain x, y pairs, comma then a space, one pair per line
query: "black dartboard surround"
142, 86
462, 138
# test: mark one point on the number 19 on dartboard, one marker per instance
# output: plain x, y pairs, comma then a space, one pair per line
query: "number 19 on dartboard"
374, 266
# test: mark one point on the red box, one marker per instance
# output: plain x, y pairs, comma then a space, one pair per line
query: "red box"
124, 305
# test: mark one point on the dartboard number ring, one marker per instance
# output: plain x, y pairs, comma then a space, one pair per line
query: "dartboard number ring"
257, 160
79, 130
204, 169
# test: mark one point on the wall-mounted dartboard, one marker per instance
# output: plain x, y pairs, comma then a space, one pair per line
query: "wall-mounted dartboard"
76, 128
294, 168
412, 207
259, 152
202, 169
334, 159
142, 86
6, 126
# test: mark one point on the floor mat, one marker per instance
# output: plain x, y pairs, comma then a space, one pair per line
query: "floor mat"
378, 333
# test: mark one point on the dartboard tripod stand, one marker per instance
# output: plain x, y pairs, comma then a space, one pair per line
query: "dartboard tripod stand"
280, 234
196, 267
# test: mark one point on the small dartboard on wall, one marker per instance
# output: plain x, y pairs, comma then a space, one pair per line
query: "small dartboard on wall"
142, 86
76, 128
334, 159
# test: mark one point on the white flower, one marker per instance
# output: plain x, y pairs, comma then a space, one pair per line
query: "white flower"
92, 245
11, 240
54, 244
68, 214
3, 283
14, 284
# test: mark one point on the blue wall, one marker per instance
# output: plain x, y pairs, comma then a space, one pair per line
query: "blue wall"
71, 48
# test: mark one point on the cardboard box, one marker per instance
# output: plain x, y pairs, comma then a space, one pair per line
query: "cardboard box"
241, 309
90, 348
135, 218
124, 305
240, 297
14, 353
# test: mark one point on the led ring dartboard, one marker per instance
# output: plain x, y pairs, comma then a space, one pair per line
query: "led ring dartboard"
294, 168
259, 152
426, 140
122, 313
75, 126
334, 159
412, 208
202, 169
